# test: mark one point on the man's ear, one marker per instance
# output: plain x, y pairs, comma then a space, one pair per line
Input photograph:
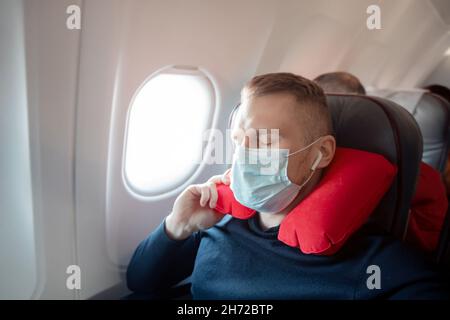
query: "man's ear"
327, 148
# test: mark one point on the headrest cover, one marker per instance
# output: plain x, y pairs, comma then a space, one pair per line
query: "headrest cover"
407, 98
432, 116
348, 193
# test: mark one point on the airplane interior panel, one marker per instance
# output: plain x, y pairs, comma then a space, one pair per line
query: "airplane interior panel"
126, 126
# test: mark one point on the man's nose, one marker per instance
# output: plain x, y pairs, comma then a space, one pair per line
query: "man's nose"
246, 142
250, 141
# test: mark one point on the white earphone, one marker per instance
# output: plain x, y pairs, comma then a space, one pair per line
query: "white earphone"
317, 161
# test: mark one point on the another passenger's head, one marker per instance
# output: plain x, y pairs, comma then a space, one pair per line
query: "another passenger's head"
439, 90
296, 107
340, 82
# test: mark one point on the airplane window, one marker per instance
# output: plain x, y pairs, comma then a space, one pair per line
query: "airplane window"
166, 121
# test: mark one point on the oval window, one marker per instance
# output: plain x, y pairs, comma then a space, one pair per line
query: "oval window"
164, 139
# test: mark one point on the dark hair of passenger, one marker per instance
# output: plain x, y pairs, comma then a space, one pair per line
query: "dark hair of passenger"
340, 82
439, 90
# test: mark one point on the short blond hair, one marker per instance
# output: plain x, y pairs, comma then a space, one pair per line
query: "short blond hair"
308, 94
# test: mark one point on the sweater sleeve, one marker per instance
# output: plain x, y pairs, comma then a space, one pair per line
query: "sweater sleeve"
403, 274
159, 262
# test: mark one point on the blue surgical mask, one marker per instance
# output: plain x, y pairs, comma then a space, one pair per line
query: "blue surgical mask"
259, 178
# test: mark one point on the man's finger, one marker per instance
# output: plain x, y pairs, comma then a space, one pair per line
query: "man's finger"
205, 195
225, 178
214, 195
215, 179
194, 189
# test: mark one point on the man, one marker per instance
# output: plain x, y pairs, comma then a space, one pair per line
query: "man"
243, 259
340, 82
429, 204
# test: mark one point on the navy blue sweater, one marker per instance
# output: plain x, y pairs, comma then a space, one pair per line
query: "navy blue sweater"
236, 259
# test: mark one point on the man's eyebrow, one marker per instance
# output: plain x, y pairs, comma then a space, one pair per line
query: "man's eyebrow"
272, 131
258, 131
267, 130
270, 135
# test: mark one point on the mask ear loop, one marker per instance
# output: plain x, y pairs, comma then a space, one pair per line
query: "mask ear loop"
304, 148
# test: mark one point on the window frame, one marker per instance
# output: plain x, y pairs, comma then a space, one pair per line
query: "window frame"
211, 123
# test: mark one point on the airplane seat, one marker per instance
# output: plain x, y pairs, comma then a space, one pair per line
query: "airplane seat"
432, 114
380, 126
443, 248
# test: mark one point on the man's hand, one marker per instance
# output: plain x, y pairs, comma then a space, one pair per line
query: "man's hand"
193, 210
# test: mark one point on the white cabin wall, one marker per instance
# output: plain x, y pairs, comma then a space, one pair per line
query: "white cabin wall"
101, 49
18, 265
52, 68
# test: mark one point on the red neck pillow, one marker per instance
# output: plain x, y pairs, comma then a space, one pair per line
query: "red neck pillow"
349, 191
428, 209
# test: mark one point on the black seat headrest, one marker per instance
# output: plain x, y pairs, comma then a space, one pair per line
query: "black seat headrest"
381, 126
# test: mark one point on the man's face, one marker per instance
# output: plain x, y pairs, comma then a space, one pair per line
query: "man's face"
277, 111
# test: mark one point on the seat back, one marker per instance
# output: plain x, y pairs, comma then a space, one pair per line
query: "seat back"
432, 114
